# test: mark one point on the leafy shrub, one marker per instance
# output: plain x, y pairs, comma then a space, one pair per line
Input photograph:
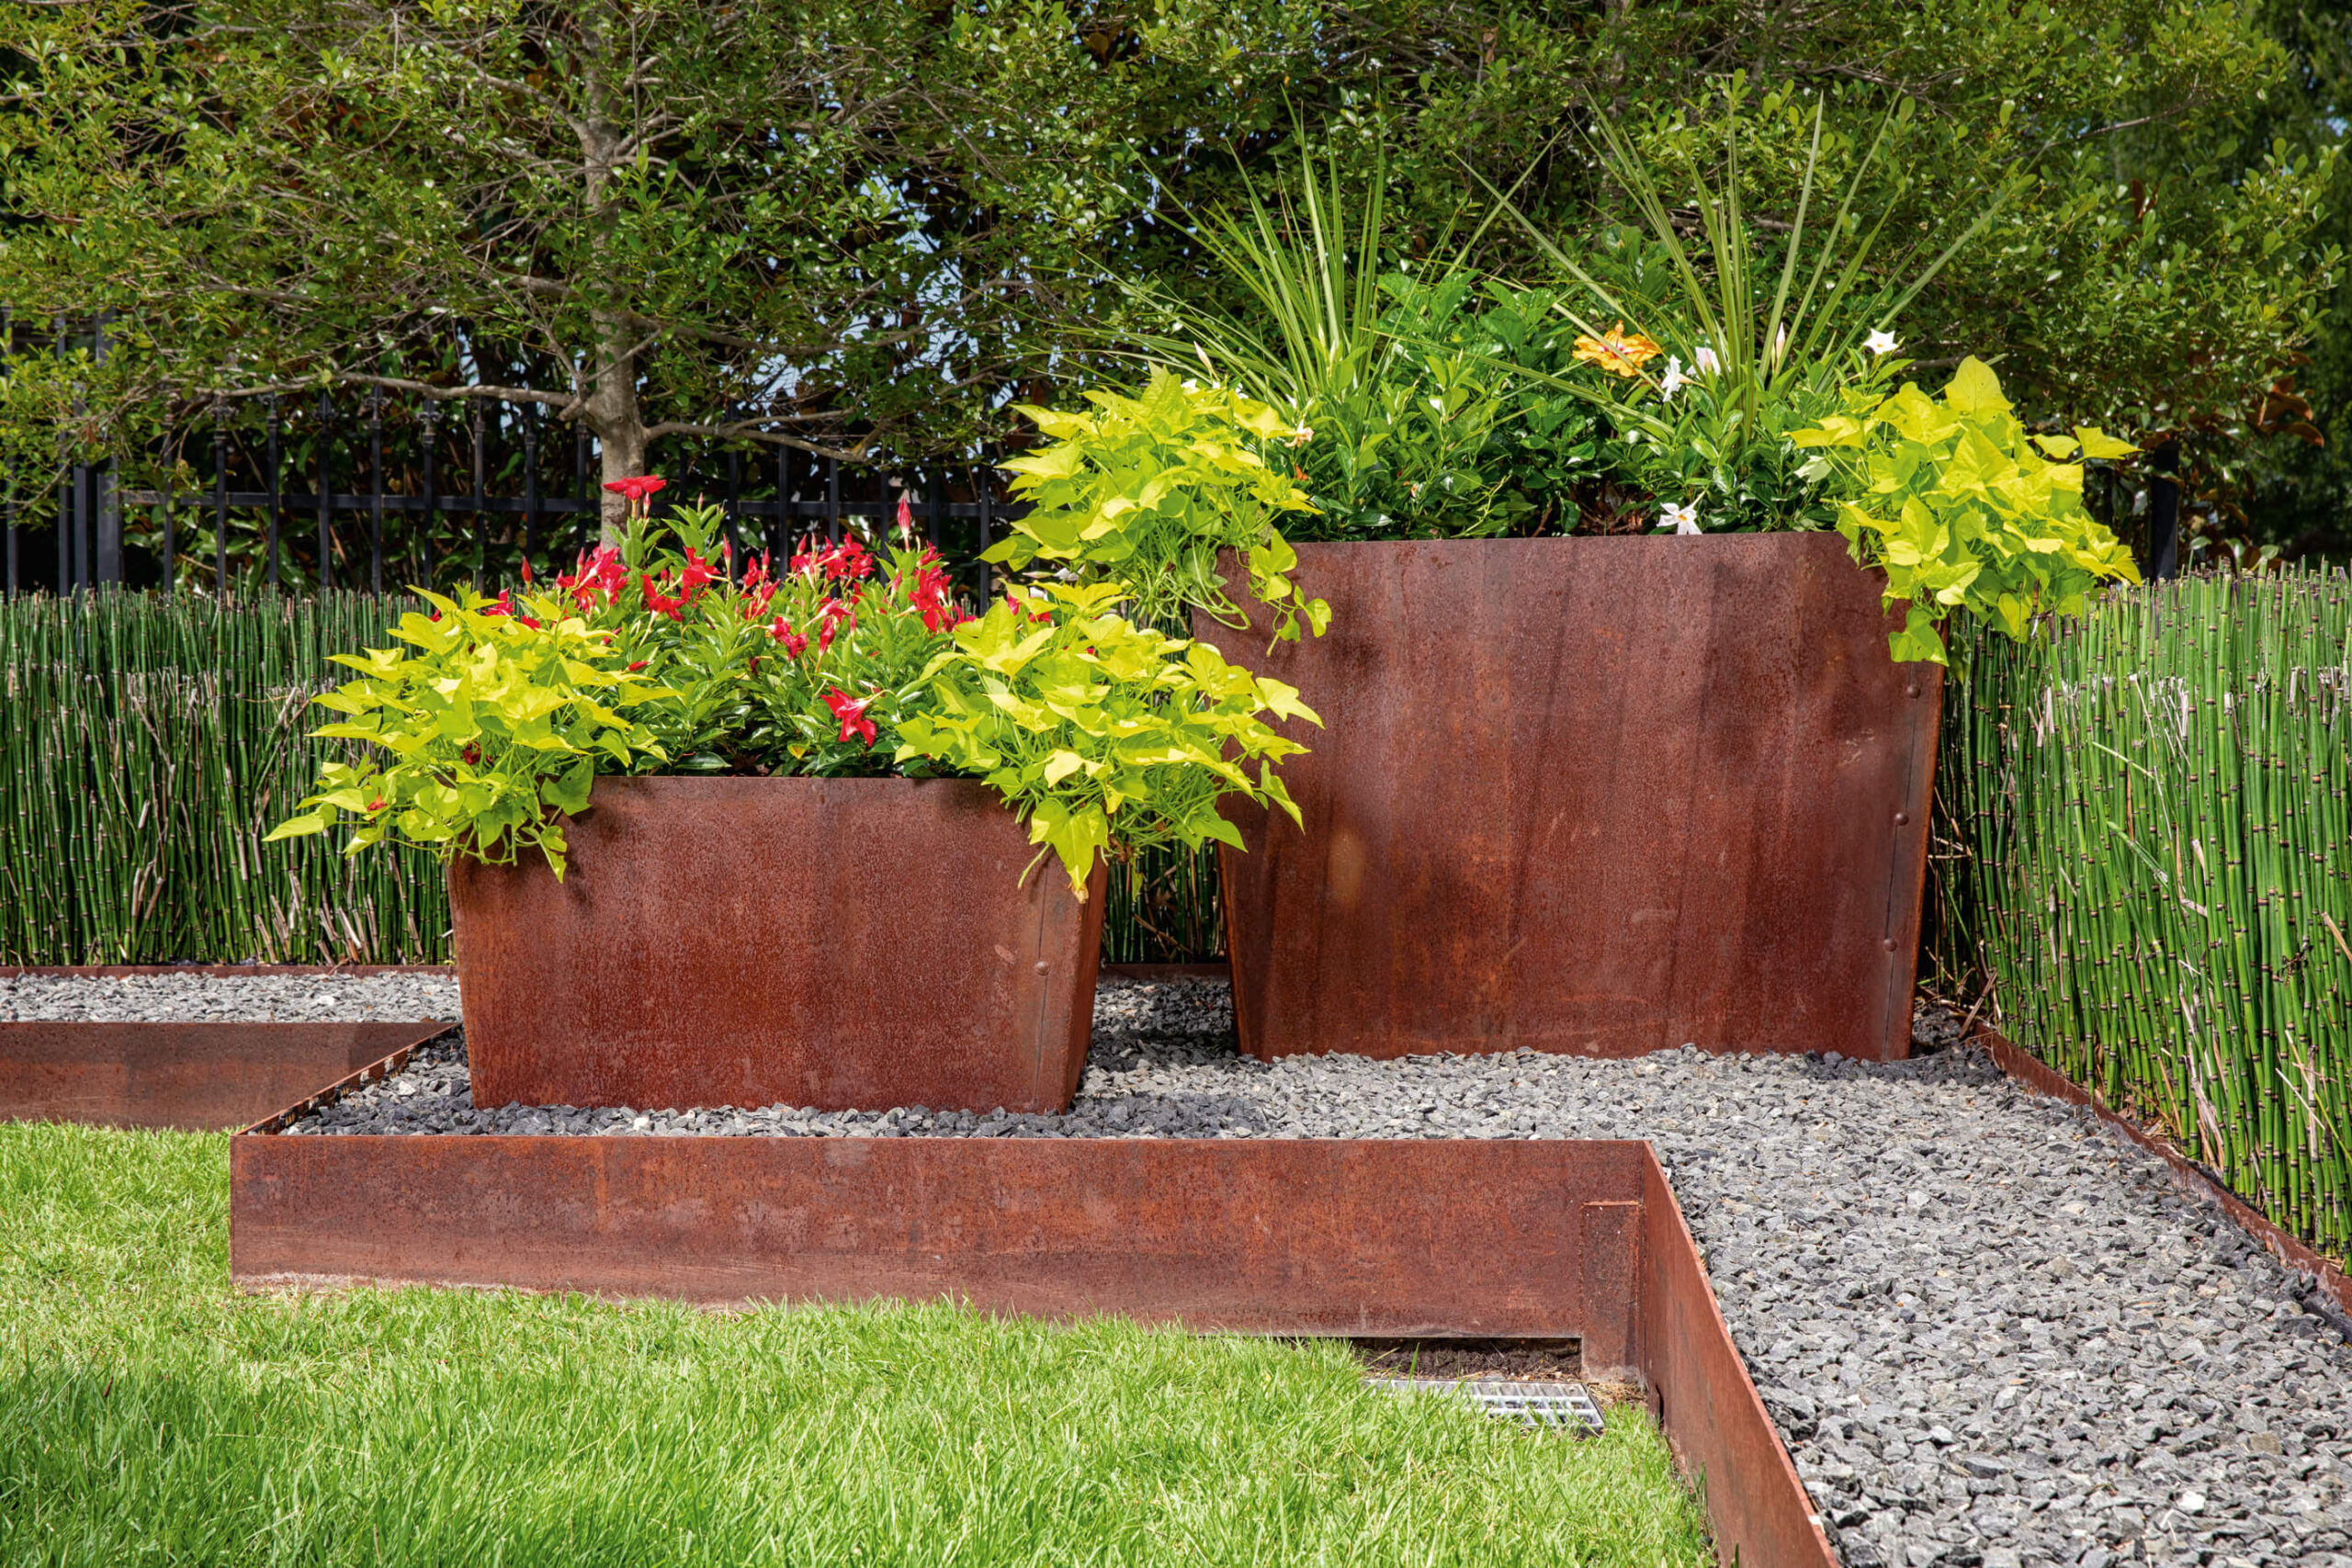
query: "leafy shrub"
654, 658
1148, 489
1952, 501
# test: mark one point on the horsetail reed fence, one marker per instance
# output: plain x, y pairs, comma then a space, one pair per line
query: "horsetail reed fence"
2146, 849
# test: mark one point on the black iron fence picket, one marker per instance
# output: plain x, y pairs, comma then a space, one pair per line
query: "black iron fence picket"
232, 500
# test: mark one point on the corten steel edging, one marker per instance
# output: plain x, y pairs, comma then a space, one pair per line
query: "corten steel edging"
1706, 1401
1418, 1238
1594, 795
2191, 1178
214, 971
1382, 1238
843, 943
194, 1077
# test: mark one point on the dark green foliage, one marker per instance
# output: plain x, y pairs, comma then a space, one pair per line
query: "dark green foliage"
2145, 824
147, 745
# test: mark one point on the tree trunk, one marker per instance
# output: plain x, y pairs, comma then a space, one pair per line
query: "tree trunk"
612, 410
614, 417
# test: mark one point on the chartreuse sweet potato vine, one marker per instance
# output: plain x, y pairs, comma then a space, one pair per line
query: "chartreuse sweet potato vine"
1148, 489
658, 656
495, 728
1094, 729
1952, 500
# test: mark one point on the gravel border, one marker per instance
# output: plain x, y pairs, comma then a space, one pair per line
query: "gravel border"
226, 998
1993, 1331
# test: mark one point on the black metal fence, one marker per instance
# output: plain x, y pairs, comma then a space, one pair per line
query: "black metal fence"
372, 492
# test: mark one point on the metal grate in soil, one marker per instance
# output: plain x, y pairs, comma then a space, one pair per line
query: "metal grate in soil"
1569, 1406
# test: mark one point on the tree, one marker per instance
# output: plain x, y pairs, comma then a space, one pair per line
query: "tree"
859, 225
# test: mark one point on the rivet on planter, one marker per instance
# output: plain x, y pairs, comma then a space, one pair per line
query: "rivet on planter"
1042, 966
1888, 943
1912, 690
1903, 820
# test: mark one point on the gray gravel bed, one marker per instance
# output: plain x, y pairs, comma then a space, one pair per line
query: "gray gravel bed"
205, 999
1994, 1334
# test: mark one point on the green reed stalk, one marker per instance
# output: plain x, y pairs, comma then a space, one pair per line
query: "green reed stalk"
150, 744
2143, 835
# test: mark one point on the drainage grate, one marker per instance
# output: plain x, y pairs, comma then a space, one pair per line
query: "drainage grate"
1569, 1405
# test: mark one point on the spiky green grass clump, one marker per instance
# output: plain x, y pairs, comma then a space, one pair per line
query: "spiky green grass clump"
148, 1414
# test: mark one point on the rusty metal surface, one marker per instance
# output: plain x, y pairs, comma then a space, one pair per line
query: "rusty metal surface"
198, 1077
1276, 1235
1595, 795
844, 943
1704, 1397
212, 971
2186, 1174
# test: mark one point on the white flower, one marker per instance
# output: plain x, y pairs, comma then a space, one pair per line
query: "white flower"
1682, 519
1880, 342
1779, 345
1302, 435
1708, 363
1675, 379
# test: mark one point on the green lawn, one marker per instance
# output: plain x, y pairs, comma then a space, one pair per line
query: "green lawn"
150, 1414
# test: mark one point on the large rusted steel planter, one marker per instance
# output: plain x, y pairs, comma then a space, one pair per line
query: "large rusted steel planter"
204, 1078
843, 943
1595, 795
1401, 1237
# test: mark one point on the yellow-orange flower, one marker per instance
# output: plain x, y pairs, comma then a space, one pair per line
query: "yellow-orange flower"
1617, 350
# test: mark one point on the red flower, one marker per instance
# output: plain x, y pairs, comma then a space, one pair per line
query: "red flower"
505, 605
933, 597
636, 488
834, 617
601, 573
696, 574
852, 713
527, 571
658, 602
1013, 604
906, 517
377, 804
846, 561
794, 643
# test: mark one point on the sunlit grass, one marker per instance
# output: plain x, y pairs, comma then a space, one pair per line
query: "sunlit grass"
149, 1413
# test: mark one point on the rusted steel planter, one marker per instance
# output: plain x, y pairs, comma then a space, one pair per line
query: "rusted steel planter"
197, 1076
844, 943
1419, 1238
1595, 795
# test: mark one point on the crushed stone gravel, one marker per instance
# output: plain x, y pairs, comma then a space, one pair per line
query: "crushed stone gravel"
211, 997
1994, 1334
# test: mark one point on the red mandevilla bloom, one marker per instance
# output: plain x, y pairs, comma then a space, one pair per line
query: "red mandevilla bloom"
906, 517
636, 488
696, 575
794, 643
505, 605
852, 713
657, 601
834, 617
601, 573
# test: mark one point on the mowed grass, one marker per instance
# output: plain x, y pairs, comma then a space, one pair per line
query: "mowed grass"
148, 1414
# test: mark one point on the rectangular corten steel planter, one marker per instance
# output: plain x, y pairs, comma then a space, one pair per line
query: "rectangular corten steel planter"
1401, 1237
843, 943
204, 1078
1597, 795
